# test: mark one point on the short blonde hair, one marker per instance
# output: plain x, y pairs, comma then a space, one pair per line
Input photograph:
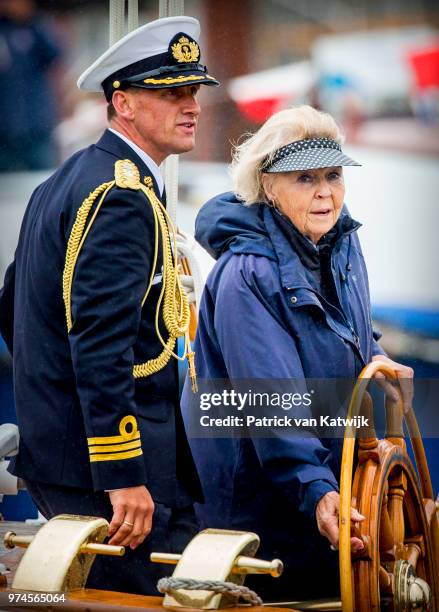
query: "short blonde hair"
280, 129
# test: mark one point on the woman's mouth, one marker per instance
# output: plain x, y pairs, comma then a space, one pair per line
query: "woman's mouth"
322, 213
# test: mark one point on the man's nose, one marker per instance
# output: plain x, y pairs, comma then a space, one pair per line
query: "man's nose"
191, 105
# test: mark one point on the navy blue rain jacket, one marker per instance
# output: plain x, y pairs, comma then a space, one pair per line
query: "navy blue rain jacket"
263, 316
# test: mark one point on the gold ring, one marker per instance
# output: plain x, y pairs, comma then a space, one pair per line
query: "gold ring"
127, 523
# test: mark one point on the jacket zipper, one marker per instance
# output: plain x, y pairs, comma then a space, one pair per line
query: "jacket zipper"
355, 336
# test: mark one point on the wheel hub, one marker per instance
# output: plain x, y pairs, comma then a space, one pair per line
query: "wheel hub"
411, 592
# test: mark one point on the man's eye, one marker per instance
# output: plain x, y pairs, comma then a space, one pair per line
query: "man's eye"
172, 93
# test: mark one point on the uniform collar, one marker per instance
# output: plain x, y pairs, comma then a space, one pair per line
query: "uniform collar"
147, 160
113, 144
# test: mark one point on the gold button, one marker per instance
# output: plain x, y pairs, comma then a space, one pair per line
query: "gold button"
116, 84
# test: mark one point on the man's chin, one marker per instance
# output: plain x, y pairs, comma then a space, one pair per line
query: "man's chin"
188, 146
185, 144
181, 150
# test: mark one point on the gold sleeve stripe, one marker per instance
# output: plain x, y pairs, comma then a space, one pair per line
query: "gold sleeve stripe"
106, 448
116, 456
113, 439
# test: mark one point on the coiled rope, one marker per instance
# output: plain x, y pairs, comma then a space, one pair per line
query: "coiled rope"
174, 585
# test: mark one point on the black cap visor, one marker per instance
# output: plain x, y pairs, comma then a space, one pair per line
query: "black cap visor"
171, 76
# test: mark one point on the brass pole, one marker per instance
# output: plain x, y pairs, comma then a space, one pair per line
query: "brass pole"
322, 605
168, 558
249, 565
12, 540
242, 565
94, 548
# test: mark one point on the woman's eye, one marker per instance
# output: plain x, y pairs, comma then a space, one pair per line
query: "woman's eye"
305, 178
334, 176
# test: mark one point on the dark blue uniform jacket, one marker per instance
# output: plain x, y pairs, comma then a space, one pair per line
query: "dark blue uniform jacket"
73, 391
268, 313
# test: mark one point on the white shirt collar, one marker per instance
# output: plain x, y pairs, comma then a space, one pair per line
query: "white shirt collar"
155, 170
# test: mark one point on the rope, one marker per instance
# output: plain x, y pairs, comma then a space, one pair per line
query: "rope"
200, 262
117, 20
171, 8
173, 585
133, 15
170, 171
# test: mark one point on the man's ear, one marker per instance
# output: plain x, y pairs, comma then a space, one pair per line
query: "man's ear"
123, 102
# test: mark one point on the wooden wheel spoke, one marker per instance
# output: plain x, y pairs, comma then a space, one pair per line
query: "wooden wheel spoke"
385, 580
413, 552
386, 531
396, 508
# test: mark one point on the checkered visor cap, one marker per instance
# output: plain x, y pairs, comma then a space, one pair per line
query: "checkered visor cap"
308, 154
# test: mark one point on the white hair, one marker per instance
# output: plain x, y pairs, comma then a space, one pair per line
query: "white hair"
280, 129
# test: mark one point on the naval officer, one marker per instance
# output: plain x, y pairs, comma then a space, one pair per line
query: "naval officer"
87, 311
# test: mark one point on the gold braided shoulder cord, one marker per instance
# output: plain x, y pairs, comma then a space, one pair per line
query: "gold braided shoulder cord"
176, 313
76, 240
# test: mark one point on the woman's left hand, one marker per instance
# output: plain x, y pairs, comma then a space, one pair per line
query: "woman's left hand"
405, 377
327, 512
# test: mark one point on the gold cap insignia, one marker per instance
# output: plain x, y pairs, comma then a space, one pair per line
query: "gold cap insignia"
185, 50
116, 84
126, 174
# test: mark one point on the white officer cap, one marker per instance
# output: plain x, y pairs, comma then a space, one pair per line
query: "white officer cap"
162, 53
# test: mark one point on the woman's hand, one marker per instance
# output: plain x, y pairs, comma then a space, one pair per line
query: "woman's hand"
327, 512
405, 377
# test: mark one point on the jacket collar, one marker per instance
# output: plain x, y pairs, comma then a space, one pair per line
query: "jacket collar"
309, 253
114, 145
293, 270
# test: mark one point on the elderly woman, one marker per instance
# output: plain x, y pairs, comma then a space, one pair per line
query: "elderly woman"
287, 299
